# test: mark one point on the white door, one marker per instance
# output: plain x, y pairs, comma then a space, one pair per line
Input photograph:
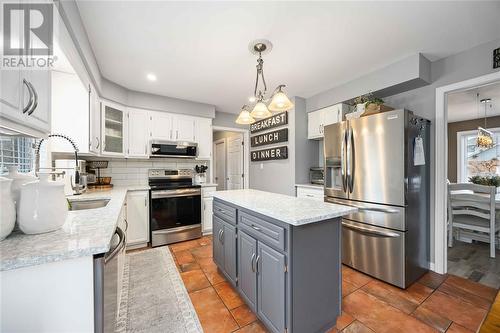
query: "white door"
184, 128
138, 133
137, 217
234, 172
203, 137
220, 164
161, 126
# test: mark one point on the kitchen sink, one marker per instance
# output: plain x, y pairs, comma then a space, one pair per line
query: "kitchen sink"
87, 204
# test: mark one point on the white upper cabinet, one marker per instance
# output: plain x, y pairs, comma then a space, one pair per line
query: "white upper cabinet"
70, 111
95, 121
138, 133
317, 120
203, 137
161, 126
113, 129
183, 128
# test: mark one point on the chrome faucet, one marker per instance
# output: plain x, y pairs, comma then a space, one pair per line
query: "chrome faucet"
78, 188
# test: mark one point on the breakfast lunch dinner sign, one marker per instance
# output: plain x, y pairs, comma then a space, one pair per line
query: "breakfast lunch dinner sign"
269, 138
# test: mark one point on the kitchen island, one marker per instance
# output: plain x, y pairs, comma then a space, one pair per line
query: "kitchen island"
282, 254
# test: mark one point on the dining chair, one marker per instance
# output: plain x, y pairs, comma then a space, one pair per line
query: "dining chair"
471, 208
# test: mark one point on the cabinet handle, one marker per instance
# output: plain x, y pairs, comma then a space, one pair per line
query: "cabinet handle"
35, 102
176, 134
222, 236
171, 136
97, 142
126, 225
252, 262
254, 227
30, 102
145, 202
220, 210
257, 264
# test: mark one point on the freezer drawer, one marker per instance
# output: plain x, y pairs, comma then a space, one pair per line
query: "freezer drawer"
376, 251
385, 216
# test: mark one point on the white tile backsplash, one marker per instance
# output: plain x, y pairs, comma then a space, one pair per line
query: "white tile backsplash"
135, 172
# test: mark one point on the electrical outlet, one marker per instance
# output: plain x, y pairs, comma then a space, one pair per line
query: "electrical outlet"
262, 166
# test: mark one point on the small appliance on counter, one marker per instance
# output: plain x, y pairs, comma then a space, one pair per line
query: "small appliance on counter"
98, 182
175, 209
317, 175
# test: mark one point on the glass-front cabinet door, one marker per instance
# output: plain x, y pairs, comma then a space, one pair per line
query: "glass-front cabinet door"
113, 119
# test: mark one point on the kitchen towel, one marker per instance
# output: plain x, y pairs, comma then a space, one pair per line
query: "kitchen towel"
418, 152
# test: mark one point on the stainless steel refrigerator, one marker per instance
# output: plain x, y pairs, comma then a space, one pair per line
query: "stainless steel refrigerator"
380, 164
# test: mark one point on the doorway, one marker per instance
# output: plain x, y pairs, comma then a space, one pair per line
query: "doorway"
473, 245
229, 163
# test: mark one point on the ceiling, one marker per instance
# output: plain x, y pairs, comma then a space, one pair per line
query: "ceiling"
199, 51
463, 105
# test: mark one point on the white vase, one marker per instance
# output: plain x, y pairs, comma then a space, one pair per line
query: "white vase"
18, 179
42, 206
360, 107
8, 208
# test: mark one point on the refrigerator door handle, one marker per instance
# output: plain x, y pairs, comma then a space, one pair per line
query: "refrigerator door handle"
368, 230
352, 160
349, 161
343, 162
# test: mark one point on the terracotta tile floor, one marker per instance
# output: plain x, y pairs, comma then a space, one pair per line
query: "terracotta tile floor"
436, 303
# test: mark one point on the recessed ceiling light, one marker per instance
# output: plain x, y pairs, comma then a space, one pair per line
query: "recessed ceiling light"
151, 77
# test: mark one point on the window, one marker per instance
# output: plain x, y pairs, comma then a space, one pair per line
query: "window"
473, 161
16, 151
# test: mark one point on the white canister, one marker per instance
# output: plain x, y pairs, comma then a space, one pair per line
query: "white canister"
18, 179
42, 206
8, 208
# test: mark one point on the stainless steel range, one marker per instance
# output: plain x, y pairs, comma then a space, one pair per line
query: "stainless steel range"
175, 209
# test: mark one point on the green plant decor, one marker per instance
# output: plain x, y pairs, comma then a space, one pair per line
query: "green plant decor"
486, 180
368, 99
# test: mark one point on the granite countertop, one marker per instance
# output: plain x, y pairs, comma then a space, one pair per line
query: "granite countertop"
314, 186
291, 210
85, 233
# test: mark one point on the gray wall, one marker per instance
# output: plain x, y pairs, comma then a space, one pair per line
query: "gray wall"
276, 176
224, 119
306, 151
406, 74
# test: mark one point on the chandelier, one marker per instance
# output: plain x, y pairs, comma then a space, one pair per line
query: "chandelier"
484, 138
279, 100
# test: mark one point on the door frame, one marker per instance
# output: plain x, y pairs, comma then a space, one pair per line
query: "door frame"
214, 157
246, 152
441, 165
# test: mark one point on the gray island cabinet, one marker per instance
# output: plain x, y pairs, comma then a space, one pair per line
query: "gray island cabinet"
282, 254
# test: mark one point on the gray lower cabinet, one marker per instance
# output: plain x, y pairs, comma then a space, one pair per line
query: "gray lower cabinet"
247, 277
218, 249
224, 248
270, 268
261, 280
290, 276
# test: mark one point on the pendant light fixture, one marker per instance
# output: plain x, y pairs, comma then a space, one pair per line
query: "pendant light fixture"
279, 100
484, 138
245, 118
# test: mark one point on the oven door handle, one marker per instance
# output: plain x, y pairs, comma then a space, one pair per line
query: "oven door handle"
174, 193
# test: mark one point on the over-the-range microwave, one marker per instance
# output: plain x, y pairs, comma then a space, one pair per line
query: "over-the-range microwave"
177, 149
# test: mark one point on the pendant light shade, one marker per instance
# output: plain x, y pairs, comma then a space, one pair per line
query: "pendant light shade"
484, 138
260, 110
244, 117
280, 101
